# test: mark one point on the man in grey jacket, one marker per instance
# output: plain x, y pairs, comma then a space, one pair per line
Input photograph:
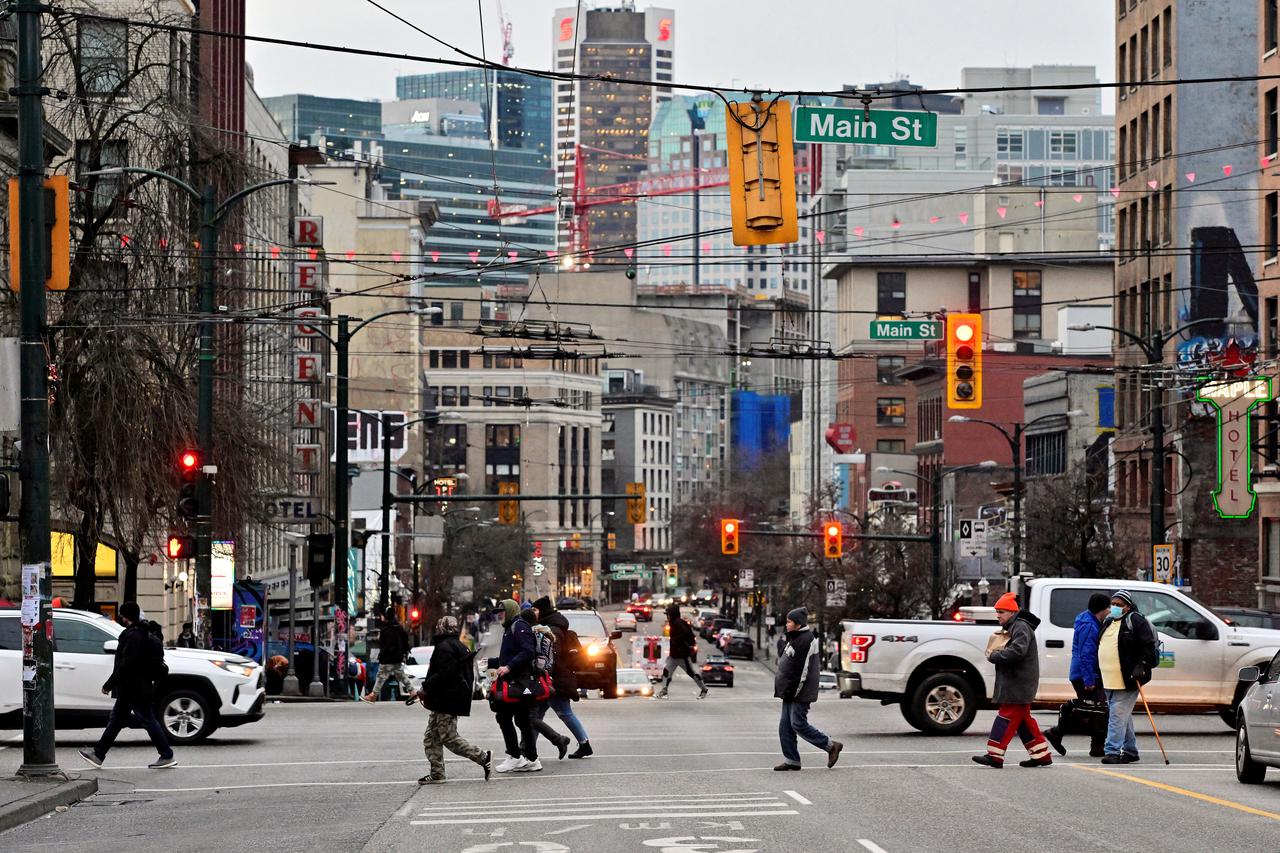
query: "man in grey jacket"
1017, 680
796, 684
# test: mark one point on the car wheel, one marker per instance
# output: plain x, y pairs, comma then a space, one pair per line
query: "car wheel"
187, 716
1229, 716
944, 704
729, 683
1248, 771
908, 714
609, 691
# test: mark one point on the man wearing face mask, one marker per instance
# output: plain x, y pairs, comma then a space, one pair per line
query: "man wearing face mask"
1017, 680
1126, 656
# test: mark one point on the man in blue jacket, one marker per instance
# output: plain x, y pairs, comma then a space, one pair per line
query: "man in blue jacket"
1085, 675
515, 664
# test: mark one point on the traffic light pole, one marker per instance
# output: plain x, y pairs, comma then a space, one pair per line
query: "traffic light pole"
38, 758
204, 414
341, 510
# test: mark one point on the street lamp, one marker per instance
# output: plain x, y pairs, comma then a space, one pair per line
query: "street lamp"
1014, 438
1153, 349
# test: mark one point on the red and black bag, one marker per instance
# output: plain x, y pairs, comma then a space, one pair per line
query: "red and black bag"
524, 688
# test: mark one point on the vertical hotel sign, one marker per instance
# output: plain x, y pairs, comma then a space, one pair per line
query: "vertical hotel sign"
1234, 399
307, 284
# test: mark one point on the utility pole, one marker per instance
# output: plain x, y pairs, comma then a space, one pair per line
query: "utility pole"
341, 510
204, 414
388, 536
38, 758
290, 686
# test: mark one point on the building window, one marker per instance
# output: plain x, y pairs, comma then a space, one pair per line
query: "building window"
437, 317
1046, 454
1009, 144
961, 135
1007, 174
1026, 303
887, 367
891, 445
891, 293
1272, 127
891, 411
1271, 563
1166, 31
1051, 106
1270, 25
102, 57
1063, 144
1273, 224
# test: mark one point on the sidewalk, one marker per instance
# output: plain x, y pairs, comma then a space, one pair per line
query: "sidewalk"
23, 800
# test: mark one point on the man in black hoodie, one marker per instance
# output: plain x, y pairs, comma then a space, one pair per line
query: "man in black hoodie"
564, 682
683, 645
796, 684
446, 693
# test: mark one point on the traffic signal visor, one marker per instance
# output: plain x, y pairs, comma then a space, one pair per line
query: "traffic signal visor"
729, 530
964, 361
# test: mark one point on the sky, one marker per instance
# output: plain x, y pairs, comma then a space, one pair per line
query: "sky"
816, 44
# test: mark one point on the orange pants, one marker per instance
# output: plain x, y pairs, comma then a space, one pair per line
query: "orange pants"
1017, 719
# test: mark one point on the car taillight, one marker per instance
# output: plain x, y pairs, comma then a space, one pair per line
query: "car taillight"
706, 668
728, 669
859, 644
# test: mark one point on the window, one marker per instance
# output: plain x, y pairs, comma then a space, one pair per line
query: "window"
1166, 116
891, 293
1155, 46
891, 445
1009, 144
437, 317
891, 411
1270, 25
1051, 106
1046, 453
887, 367
1166, 34
1270, 562
1007, 174
455, 312
1142, 61
92, 156
102, 57
1026, 303
1273, 225
1063, 144
76, 636
1121, 67
1066, 603
1170, 616
961, 136
1272, 129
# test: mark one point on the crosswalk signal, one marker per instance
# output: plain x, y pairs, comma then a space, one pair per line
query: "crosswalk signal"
180, 547
964, 361
729, 530
636, 511
319, 558
509, 511
189, 475
762, 172
833, 539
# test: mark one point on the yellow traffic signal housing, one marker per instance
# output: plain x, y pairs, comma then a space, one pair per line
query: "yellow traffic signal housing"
673, 574
637, 511
730, 528
509, 511
762, 173
833, 539
611, 541
57, 229
964, 361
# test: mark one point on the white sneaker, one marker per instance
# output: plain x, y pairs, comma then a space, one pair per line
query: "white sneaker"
512, 764
530, 766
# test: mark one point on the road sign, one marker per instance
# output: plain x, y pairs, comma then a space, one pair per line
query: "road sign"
626, 571
837, 592
1162, 563
746, 579
906, 330
973, 537
842, 438
872, 127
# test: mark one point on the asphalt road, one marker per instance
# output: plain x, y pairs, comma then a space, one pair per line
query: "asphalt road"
679, 775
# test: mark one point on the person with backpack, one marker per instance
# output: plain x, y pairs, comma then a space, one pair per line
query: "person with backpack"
1127, 653
564, 682
1085, 678
515, 674
1017, 661
796, 684
393, 647
446, 693
139, 666
187, 638
683, 646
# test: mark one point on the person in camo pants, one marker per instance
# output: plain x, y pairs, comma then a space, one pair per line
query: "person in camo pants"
393, 648
446, 693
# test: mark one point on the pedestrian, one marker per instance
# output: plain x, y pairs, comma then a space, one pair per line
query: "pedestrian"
683, 645
393, 646
1127, 653
187, 637
446, 693
796, 683
1085, 677
139, 664
564, 682
515, 666
1017, 662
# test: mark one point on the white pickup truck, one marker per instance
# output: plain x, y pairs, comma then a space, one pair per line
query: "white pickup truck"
937, 671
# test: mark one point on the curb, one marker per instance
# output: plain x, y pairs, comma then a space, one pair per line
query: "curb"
42, 802
289, 700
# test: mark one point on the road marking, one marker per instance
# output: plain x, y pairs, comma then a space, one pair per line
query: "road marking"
871, 845
640, 802
546, 800
569, 829
1173, 789
614, 816
799, 799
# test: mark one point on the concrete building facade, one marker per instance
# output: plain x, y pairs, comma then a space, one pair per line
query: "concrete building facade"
1268, 462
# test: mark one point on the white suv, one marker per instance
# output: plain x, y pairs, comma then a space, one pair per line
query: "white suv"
203, 692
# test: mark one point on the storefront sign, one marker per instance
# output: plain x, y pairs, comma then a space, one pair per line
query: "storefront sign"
223, 574
1234, 399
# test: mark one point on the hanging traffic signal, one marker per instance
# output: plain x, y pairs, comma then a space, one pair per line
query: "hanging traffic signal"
189, 475
611, 541
508, 511
57, 233
762, 173
964, 361
415, 618
636, 510
729, 530
180, 547
673, 574
319, 558
833, 539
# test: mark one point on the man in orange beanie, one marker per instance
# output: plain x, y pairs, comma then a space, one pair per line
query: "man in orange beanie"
1017, 680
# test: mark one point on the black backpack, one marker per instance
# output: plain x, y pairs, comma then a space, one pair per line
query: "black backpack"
158, 669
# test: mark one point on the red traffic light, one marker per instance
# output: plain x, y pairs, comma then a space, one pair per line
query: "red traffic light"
833, 540
189, 461
728, 538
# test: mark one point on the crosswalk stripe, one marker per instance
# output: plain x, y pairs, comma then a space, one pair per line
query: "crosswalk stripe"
444, 809
541, 800
621, 815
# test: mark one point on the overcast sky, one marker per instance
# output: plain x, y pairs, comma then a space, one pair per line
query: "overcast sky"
779, 44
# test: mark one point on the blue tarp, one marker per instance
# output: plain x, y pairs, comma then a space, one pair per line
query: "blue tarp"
761, 425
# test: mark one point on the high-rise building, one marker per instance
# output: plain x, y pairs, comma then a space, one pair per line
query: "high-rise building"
339, 120
607, 122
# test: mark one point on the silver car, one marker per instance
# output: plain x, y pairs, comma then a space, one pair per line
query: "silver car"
1258, 732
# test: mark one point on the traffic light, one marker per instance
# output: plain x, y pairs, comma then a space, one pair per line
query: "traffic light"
57, 233
833, 539
415, 618
611, 541
729, 530
189, 475
673, 574
964, 361
319, 558
762, 173
508, 511
180, 547
637, 512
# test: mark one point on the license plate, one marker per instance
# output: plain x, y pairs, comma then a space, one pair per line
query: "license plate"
600, 666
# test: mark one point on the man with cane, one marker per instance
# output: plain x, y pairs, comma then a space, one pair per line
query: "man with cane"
1127, 653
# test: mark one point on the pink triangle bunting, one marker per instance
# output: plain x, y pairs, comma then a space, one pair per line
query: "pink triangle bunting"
512, 254
1001, 211
1191, 177
314, 253
964, 219
275, 251
895, 224
666, 249
435, 257
1153, 184
350, 255
1039, 202
629, 251
1115, 192
1226, 170
395, 256
858, 230
1077, 198
474, 256
933, 220
821, 235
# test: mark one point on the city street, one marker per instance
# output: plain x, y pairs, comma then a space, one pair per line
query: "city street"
679, 774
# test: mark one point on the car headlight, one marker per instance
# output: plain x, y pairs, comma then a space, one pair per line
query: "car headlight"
234, 668
594, 649
646, 690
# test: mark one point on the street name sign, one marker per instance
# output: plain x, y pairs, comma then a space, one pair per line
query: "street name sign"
626, 571
871, 127
973, 537
906, 330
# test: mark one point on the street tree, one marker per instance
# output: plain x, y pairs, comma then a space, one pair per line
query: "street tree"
1068, 527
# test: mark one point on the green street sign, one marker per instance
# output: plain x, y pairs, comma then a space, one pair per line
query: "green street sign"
874, 127
906, 330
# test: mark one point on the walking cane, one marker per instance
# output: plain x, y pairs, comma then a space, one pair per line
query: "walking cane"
1151, 719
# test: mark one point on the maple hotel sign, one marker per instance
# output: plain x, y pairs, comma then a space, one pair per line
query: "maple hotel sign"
1233, 400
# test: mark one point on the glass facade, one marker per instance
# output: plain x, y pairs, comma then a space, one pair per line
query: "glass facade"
300, 116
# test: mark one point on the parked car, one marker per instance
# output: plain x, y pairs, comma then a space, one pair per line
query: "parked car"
625, 621
738, 644
633, 682
937, 671
1248, 618
642, 610
718, 623
718, 670
416, 663
1258, 723
204, 691
597, 666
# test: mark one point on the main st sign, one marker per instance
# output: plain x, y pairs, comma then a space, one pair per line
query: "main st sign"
869, 127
